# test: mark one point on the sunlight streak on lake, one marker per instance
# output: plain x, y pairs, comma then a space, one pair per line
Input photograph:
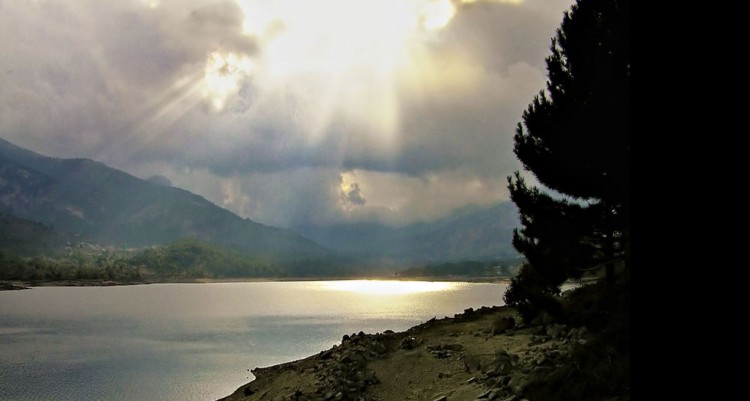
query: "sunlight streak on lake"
383, 287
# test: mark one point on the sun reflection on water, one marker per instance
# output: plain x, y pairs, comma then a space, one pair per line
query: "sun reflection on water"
388, 287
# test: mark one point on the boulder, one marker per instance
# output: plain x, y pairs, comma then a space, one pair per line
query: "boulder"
409, 343
472, 363
538, 340
555, 330
502, 363
502, 324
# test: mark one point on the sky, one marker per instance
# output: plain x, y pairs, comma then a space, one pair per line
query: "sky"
287, 112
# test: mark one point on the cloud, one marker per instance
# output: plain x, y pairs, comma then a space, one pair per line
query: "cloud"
261, 115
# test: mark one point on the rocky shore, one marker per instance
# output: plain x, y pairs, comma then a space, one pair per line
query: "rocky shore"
25, 285
480, 355
12, 286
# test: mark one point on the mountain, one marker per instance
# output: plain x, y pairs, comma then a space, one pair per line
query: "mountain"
108, 206
470, 233
25, 237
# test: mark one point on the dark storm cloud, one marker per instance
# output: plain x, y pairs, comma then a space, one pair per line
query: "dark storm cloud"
138, 49
502, 34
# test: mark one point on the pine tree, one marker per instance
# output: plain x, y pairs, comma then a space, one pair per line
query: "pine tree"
576, 143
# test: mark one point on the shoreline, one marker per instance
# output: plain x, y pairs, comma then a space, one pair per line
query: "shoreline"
475, 355
10, 285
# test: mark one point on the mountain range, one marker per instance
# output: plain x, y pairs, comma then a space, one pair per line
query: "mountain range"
89, 201
105, 205
470, 233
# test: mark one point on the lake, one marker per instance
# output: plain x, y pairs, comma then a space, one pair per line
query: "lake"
196, 341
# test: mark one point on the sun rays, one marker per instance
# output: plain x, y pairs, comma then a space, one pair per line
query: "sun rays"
351, 54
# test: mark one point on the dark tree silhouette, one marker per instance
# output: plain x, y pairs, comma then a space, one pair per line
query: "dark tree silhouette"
576, 142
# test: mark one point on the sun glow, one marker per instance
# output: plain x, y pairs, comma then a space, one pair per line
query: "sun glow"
343, 63
222, 76
150, 3
385, 287
350, 53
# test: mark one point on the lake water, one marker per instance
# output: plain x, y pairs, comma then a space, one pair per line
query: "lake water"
196, 341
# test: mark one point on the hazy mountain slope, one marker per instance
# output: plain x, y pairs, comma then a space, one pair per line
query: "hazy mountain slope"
25, 237
470, 233
110, 206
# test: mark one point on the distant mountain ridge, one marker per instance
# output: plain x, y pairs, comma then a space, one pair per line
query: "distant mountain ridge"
470, 233
109, 206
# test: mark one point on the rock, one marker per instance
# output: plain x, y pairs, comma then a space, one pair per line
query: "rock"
517, 384
441, 354
573, 333
472, 363
345, 338
248, 391
453, 347
583, 332
491, 382
442, 398
370, 378
379, 348
502, 324
409, 343
538, 340
471, 380
555, 330
445, 347
502, 363
541, 360
485, 394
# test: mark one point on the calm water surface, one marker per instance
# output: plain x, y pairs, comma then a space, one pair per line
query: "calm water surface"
196, 341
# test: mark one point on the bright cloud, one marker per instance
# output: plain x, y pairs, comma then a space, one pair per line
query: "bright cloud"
283, 111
